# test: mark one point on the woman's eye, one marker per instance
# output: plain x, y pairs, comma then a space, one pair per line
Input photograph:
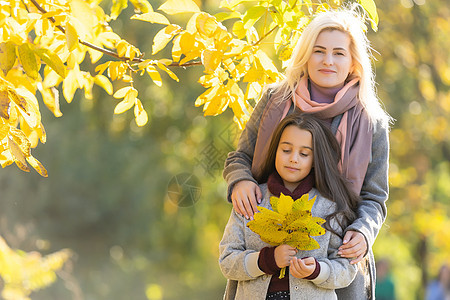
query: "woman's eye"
285, 151
340, 53
304, 154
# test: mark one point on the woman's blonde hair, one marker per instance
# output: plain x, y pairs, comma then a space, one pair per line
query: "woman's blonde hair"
347, 20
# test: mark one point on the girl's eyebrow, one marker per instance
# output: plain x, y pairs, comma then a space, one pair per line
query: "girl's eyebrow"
288, 143
324, 48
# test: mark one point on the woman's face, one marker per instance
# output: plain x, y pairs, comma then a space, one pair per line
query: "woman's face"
331, 61
294, 158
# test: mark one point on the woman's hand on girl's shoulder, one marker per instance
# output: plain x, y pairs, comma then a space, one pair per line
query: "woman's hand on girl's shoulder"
246, 196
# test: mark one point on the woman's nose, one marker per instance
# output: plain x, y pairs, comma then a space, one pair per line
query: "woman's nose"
328, 59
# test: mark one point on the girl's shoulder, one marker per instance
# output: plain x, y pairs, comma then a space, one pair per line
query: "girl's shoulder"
321, 203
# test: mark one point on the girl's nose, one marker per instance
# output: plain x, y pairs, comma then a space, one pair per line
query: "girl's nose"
294, 158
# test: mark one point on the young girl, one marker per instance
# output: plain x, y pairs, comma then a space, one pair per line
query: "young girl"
302, 158
329, 76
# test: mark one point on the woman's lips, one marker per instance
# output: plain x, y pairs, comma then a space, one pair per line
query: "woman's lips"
327, 71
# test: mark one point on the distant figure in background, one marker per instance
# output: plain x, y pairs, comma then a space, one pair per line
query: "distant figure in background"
384, 288
439, 289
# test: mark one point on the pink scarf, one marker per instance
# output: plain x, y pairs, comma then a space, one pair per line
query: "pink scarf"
354, 133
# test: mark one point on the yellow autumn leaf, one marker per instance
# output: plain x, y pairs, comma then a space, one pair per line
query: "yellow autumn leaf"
163, 37
18, 155
123, 106
238, 29
4, 130
142, 6
37, 166
294, 225
218, 104
172, 7
140, 114
154, 75
129, 95
371, 8
70, 85
118, 6
163, 67
104, 82
122, 92
52, 60
152, 17
187, 42
101, 68
19, 101
207, 95
4, 105
21, 140
211, 59
28, 60
7, 56
71, 36
206, 24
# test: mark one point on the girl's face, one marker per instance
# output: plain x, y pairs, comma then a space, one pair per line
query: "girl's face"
294, 158
331, 61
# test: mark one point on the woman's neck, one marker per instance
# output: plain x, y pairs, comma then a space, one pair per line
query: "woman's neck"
322, 94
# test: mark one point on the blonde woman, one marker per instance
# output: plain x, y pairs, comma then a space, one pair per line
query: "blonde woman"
330, 76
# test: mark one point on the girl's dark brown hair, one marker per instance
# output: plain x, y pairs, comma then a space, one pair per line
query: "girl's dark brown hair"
328, 179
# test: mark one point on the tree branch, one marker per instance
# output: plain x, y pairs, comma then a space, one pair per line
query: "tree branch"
106, 51
264, 36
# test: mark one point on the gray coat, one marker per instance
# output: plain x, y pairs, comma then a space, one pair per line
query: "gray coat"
374, 192
239, 250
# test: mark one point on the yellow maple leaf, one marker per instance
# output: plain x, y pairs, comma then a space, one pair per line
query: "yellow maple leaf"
290, 222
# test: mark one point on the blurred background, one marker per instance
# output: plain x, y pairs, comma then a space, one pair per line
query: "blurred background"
143, 209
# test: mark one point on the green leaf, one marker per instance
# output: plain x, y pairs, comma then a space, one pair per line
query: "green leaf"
371, 8
7, 56
172, 7
28, 60
53, 61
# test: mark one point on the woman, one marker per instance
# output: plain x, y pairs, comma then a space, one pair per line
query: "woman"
330, 76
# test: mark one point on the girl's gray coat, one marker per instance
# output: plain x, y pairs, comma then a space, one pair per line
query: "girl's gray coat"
239, 243
374, 192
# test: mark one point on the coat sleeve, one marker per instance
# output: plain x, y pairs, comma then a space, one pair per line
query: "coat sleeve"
238, 165
235, 261
375, 189
336, 272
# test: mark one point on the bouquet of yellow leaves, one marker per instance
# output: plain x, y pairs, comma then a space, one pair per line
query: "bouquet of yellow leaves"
290, 223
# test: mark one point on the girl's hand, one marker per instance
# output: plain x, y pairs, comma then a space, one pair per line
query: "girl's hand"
283, 255
302, 267
245, 196
354, 246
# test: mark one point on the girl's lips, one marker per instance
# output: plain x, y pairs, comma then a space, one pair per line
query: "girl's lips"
292, 169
